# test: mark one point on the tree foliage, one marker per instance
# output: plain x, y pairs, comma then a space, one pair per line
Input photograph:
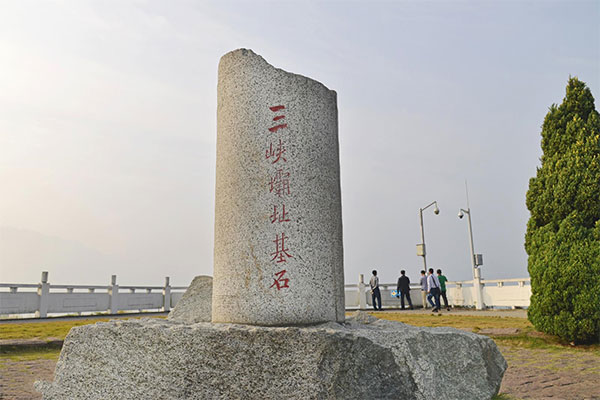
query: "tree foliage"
563, 232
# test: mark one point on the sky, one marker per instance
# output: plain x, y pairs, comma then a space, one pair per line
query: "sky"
108, 127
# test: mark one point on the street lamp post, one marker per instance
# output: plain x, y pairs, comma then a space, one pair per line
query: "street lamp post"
421, 247
475, 261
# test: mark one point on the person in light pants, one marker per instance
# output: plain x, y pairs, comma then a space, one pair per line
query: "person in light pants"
433, 288
424, 289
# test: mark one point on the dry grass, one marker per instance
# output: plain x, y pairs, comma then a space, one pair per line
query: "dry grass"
42, 330
472, 323
45, 330
526, 337
503, 396
29, 354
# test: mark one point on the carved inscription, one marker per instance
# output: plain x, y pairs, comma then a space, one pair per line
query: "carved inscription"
279, 186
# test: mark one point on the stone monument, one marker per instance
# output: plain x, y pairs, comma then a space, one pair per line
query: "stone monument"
278, 220
278, 328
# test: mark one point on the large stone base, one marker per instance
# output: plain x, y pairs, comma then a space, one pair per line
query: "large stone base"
196, 303
362, 359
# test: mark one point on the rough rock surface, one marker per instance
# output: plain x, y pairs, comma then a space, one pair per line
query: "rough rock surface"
196, 303
278, 216
158, 359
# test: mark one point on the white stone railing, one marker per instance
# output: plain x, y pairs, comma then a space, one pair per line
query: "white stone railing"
44, 298
511, 293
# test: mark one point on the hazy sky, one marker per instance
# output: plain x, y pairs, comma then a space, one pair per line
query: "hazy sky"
108, 126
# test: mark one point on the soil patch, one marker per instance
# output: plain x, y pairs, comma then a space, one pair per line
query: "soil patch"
17, 378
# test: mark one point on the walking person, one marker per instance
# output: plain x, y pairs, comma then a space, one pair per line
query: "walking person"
433, 288
424, 289
375, 293
403, 289
443, 281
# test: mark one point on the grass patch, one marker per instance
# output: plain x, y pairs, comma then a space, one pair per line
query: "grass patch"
42, 330
527, 337
545, 342
45, 330
456, 321
503, 396
14, 353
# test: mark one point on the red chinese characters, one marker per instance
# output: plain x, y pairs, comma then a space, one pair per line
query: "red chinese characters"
281, 253
277, 118
280, 183
281, 282
279, 186
279, 216
276, 153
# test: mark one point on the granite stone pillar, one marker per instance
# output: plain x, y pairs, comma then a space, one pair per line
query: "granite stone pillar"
278, 261
278, 223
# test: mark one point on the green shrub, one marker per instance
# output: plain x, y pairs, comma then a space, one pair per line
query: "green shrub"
563, 232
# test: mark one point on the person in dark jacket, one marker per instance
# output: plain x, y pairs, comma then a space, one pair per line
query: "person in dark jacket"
403, 289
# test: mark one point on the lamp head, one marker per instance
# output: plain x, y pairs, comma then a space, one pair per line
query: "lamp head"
436, 210
460, 214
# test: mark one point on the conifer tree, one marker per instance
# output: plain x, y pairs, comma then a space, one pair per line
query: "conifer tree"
563, 232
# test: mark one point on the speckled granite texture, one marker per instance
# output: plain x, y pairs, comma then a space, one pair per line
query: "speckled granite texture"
373, 359
196, 303
278, 225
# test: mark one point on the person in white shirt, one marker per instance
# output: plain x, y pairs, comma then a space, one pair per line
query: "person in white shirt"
375, 293
424, 289
433, 290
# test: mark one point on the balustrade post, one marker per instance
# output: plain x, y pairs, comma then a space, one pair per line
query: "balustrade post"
460, 297
43, 296
113, 293
362, 293
167, 295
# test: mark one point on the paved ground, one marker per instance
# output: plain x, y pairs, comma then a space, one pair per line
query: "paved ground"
546, 374
532, 374
17, 378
